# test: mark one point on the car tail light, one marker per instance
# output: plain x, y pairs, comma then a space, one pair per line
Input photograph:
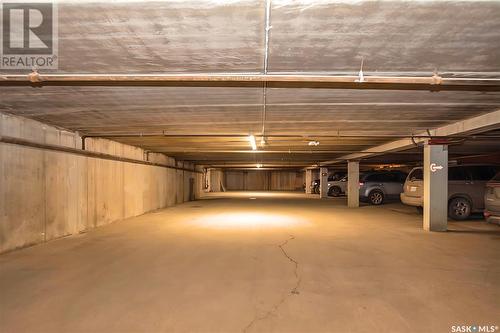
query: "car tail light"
361, 183
486, 214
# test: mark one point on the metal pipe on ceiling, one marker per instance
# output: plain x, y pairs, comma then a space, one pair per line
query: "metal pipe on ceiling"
252, 168
292, 152
256, 152
331, 81
266, 35
266, 65
307, 137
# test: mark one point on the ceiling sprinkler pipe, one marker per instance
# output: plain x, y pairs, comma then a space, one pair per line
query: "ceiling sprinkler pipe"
37, 79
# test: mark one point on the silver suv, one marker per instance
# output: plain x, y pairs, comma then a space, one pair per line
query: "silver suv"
466, 186
378, 186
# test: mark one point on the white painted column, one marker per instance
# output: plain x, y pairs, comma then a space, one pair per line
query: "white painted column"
435, 187
309, 179
323, 186
353, 184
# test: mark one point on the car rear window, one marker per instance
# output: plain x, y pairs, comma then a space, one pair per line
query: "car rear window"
376, 177
416, 174
385, 177
457, 173
402, 177
395, 177
461, 173
483, 172
335, 177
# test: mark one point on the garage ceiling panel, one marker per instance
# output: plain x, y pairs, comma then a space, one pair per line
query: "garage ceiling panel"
160, 36
327, 36
392, 36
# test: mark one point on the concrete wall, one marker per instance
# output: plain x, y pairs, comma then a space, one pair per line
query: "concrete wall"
263, 180
47, 194
215, 180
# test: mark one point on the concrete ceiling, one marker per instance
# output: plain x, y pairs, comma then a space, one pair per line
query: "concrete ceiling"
457, 38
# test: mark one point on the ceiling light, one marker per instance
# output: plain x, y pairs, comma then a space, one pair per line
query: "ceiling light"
259, 166
313, 143
251, 139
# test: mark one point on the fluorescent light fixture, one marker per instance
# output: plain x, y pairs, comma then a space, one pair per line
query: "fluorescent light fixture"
251, 139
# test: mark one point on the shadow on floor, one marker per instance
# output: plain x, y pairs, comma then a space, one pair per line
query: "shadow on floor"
474, 231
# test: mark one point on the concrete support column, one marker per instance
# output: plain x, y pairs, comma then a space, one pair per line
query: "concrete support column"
208, 180
353, 184
323, 185
435, 187
309, 179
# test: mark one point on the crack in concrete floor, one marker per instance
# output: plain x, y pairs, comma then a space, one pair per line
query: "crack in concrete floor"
293, 291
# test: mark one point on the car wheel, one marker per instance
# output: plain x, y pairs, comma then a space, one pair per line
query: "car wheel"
459, 209
376, 197
334, 191
420, 209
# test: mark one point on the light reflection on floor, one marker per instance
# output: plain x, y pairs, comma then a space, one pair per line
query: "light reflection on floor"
260, 194
248, 220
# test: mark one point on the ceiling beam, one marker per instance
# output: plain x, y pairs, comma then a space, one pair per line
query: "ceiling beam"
255, 152
300, 136
467, 127
431, 82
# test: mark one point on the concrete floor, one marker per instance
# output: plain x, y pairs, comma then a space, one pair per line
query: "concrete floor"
273, 263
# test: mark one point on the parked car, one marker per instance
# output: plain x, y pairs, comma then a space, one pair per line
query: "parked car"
331, 178
337, 176
315, 186
378, 186
337, 187
466, 185
413, 189
492, 200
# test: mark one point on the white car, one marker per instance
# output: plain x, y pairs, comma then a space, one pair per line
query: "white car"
338, 187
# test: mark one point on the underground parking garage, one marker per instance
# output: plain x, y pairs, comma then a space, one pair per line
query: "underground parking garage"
254, 166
